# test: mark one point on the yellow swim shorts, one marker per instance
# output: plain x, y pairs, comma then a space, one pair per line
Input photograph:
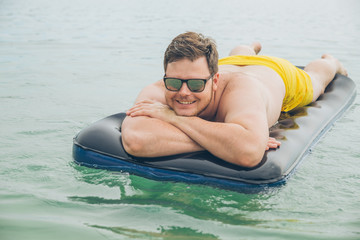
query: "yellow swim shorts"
298, 85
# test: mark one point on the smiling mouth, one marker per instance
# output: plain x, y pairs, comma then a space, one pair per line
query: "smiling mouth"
185, 103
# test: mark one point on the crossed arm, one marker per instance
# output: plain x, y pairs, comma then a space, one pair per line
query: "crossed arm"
152, 129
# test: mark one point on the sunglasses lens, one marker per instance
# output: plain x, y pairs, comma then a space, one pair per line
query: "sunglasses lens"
173, 84
196, 85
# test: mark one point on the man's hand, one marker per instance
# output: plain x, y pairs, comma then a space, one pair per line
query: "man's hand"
272, 143
151, 109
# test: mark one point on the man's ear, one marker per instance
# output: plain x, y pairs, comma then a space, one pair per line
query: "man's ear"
215, 81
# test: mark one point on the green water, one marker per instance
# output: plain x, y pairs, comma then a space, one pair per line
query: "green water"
65, 64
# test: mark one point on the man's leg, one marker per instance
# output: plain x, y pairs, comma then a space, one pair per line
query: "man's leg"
246, 50
322, 72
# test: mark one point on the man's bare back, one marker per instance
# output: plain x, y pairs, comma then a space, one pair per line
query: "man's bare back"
267, 82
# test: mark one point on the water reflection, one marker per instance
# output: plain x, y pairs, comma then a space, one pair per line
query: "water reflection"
287, 120
197, 201
171, 232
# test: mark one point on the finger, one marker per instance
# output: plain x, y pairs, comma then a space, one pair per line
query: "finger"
271, 139
138, 106
140, 112
136, 110
273, 145
133, 109
274, 141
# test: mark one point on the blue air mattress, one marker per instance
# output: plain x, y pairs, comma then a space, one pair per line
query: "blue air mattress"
100, 146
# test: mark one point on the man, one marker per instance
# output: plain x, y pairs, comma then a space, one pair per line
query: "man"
226, 109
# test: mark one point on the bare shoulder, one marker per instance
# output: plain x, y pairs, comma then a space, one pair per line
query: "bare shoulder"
242, 100
154, 91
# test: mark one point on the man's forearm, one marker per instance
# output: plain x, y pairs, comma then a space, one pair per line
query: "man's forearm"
228, 141
151, 137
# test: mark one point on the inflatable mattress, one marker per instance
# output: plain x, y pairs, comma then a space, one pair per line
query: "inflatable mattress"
99, 146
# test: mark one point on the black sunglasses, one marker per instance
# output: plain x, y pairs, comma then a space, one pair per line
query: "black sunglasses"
194, 85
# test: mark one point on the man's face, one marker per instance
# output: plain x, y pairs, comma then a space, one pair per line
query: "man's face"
184, 102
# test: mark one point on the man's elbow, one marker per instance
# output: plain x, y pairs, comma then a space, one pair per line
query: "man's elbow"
250, 162
253, 153
249, 159
133, 144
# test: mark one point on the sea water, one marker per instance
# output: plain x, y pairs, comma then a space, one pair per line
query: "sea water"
65, 64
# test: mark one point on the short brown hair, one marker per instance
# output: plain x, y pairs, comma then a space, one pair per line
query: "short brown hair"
192, 46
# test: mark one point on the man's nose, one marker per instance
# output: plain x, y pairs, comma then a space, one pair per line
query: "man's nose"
184, 90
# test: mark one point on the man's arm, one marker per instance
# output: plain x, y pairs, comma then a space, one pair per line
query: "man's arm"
151, 137
241, 139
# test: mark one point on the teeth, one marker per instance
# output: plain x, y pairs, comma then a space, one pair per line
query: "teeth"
185, 102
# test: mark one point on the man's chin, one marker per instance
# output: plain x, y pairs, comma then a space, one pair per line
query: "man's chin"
185, 113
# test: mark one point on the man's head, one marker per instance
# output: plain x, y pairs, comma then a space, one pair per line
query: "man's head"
190, 56
192, 46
